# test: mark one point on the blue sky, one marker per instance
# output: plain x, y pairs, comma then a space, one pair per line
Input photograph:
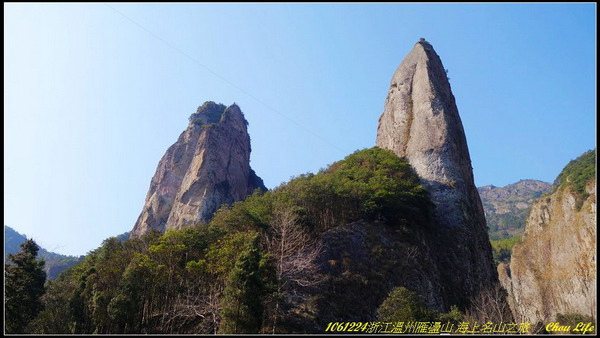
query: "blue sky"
93, 96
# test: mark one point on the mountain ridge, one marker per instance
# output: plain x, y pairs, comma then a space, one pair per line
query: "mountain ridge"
55, 262
506, 208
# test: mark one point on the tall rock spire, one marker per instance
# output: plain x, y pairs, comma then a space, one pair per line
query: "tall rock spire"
208, 166
421, 123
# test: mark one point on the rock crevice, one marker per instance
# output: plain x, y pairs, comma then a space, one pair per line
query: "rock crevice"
421, 123
553, 269
208, 166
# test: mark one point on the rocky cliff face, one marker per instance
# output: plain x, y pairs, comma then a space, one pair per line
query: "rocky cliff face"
506, 208
553, 269
364, 261
421, 123
208, 166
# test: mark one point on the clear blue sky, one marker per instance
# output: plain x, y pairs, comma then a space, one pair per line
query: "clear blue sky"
92, 100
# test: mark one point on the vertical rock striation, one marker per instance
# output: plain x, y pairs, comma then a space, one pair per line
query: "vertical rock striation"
553, 269
421, 123
208, 166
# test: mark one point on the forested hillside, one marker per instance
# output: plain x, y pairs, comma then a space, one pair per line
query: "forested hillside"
261, 265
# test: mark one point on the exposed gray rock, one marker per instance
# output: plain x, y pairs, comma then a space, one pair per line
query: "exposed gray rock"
208, 166
553, 269
421, 123
523, 191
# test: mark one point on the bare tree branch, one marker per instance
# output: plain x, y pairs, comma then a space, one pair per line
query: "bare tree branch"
295, 253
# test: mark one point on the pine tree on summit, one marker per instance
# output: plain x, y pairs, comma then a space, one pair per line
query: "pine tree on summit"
24, 286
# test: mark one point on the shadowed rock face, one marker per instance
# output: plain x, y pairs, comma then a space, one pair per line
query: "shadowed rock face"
208, 166
421, 123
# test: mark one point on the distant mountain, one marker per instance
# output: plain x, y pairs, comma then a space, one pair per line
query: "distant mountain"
506, 208
552, 272
124, 236
55, 263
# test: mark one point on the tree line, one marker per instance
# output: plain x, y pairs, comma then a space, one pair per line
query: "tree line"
241, 273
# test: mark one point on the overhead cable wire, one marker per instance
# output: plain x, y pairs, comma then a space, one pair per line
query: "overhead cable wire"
194, 60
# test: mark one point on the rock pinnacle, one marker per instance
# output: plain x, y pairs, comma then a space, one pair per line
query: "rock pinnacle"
421, 123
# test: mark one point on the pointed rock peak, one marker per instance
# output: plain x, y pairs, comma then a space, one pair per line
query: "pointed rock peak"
424, 43
419, 101
207, 167
209, 112
421, 47
234, 112
233, 119
423, 58
421, 123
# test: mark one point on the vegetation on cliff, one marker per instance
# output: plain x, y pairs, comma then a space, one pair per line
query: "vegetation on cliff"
208, 113
253, 268
553, 269
402, 305
577, 173
502, 249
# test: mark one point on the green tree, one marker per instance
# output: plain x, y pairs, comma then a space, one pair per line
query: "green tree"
576, 174
217, 278
579, 170
55, 317
574, 319
502, 249
24, 278
242, 307
453, 316
403, 305
78, 307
